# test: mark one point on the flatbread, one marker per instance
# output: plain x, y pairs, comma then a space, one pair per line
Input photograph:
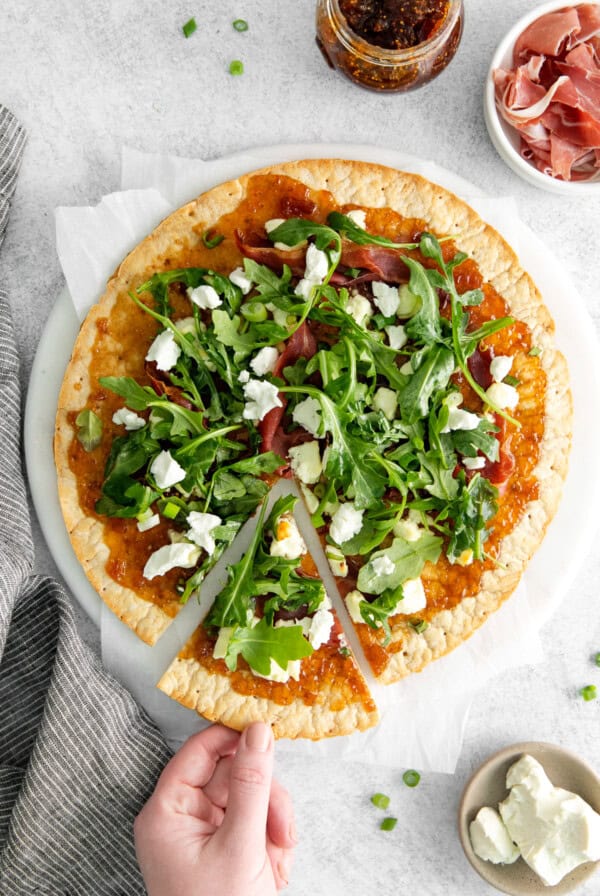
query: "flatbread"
114, 338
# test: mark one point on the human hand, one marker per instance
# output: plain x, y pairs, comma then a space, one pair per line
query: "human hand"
217, 823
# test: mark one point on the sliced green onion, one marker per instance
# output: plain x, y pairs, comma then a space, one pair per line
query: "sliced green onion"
236, 67
597, 659
344, 651
189, 27
240, 24
380, 800
388, 824
511, 381
255, 312
170, 510
419, 626
411, 778
535, 351
211, 239
589, 692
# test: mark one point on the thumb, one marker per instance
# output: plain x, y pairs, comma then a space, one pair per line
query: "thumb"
245, 823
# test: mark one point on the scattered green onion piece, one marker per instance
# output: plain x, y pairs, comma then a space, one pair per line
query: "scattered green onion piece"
170, 510
240, 24
236, 67
189, 27
212, 239
597, 659
255, 312
388, 824
535, 351
419, 626
589, 692
512, 381
344, 651
380, 800
411, 778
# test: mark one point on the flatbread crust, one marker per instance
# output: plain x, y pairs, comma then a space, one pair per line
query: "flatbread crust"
367, 185
210, 694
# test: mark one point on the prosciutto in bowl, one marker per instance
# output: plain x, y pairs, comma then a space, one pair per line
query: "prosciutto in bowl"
545, 88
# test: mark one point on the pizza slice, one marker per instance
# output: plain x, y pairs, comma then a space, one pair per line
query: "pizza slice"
271, 646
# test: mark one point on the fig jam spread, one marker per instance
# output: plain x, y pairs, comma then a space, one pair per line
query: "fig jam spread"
395, 24
391, 45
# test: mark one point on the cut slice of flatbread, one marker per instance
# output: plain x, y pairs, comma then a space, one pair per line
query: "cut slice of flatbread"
274, 605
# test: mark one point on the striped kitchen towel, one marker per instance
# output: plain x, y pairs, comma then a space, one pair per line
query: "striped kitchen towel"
78, 757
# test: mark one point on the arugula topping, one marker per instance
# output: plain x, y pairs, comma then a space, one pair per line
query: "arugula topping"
89, 429
384, 421
271, 583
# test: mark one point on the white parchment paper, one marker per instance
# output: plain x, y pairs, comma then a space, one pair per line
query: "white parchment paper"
423, 717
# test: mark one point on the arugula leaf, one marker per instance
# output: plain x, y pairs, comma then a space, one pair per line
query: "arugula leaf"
408, 557
376, 612
470, 442
228, 331
475, 504
296, 230
89, 429
435, 369
424, 326
233, 602
134, 499
261, 643
158, 286
346, 226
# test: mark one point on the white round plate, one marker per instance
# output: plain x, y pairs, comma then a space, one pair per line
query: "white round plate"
570, 535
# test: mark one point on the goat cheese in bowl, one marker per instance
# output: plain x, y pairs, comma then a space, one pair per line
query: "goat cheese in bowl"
529, 820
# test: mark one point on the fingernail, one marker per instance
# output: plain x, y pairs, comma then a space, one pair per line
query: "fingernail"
292, 832
283, 870
259, 737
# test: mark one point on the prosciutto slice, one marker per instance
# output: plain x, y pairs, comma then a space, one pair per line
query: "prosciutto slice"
302, 344
374, 262
551, 96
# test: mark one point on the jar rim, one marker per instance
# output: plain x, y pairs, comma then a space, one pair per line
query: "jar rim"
369, 52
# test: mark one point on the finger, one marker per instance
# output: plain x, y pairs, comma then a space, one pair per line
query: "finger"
281, 864
193, 765
281, 826
217, 789
245, 822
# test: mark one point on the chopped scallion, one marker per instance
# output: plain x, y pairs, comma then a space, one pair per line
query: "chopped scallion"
589, 692
236, 67
512, 381
189, 27
419, 625
597, 659
240, 24
388, 824
411, 778
534, 351
255, 312
380, 800
170, 510
212, 239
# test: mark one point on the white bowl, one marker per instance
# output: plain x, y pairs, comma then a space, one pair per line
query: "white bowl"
505, 138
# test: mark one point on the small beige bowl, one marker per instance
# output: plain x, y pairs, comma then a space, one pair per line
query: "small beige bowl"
506, 139
487, 787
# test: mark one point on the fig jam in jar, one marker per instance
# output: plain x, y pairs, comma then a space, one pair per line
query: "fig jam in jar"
391, 45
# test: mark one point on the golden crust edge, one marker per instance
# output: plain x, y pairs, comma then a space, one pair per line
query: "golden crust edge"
210, 695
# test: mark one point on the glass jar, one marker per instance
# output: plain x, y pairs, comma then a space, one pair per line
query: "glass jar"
377, 67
